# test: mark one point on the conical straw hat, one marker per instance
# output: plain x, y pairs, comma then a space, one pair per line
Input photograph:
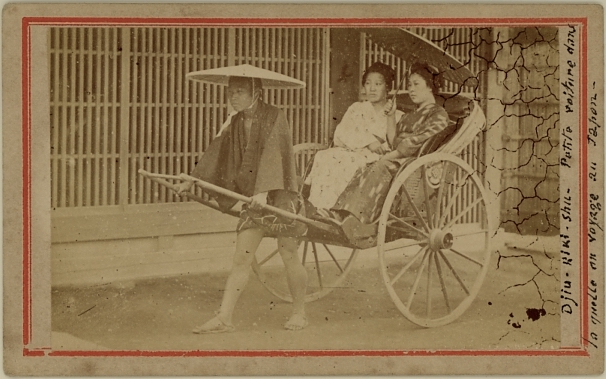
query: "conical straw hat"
269, 79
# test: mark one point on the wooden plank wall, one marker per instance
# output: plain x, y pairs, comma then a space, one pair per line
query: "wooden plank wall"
531, 142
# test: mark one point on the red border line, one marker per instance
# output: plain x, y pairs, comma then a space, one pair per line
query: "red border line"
33, 353
315, 353
87, 21
26, 141
316, 22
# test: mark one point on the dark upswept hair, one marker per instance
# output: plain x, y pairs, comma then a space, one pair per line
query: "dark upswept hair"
429, 73
389, 75
255, 83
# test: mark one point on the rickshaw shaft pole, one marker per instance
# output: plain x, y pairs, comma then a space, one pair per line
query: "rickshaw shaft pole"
237, 196
162, 176
158, 179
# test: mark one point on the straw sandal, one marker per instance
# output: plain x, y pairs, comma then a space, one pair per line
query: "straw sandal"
221, 327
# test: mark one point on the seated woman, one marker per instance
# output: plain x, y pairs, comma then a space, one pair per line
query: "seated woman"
362, 200
360, 138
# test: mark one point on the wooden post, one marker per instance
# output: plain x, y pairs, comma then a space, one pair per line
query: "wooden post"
55, 101
327, 106
494, 135
345, 78
125, 105
231, 58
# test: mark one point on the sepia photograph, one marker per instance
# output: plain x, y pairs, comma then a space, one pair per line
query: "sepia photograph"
310, 188
345, 168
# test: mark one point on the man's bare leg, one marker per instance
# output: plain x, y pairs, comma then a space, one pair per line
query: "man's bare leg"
247, 243
297, 281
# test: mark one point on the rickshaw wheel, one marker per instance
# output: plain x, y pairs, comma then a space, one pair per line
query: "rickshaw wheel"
327, 267
434, 239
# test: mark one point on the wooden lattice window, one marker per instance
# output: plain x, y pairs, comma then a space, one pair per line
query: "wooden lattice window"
120, 102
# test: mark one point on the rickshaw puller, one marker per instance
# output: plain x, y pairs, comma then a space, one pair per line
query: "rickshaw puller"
254, 156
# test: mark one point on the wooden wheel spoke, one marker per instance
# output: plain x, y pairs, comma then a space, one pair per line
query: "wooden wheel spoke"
441, 192
397, 245
453, 272
451, 201
405, 268
333, 257
470, 233
462, 213
391, 226
268, 257
304, 252
315, 251
351, 256
417, 279
415, 209
408, 225
442, 285
428, 294
395, 203
466, 257
426, 195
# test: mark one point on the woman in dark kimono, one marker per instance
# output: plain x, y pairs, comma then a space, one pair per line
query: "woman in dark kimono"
362, 200
253, 156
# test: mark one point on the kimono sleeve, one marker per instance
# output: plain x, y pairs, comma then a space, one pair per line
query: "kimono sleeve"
276, 166
409, 143
351, 131
217, 166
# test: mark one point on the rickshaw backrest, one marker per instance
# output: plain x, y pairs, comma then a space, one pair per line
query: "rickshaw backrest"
471, 126
458, 134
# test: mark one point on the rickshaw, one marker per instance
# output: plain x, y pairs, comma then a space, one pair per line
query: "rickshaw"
433, 233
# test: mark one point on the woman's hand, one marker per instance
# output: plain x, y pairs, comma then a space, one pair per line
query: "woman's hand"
258, 201
183, 187
390, 112
390, 107
395, 154
377, 148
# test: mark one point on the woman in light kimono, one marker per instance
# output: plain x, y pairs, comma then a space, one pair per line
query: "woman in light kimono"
359, 139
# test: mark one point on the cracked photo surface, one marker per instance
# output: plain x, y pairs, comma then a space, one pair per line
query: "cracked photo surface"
292, 189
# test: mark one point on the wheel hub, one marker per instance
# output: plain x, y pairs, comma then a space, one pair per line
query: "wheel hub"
440, 239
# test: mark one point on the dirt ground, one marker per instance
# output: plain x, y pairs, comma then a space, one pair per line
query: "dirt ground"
159, 314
